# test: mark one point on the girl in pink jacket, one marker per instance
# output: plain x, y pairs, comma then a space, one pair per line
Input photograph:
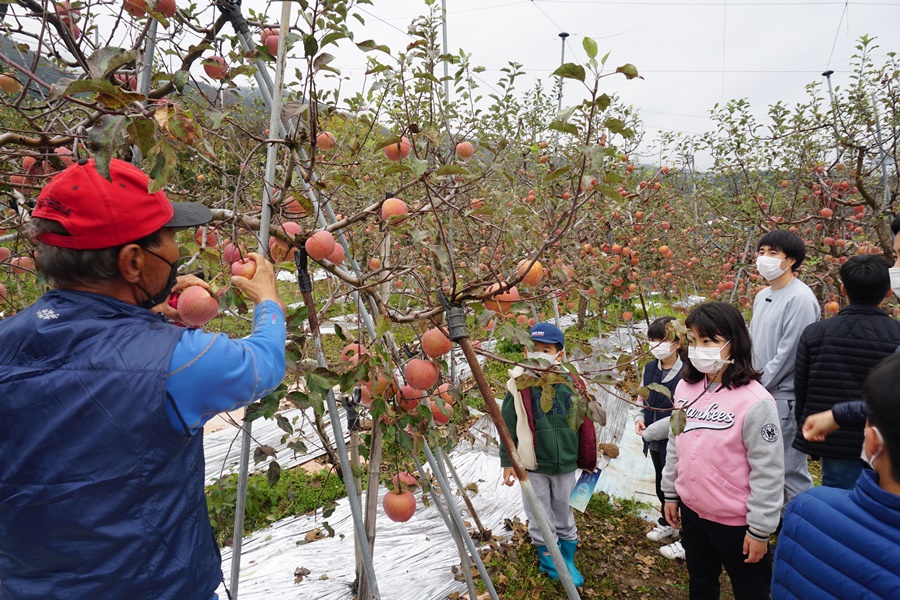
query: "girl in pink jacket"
724, 475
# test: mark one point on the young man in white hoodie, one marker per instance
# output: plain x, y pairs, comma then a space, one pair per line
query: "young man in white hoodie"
780, 314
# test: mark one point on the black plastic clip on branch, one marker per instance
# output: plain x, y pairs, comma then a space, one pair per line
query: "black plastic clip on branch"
456, 318
304, 281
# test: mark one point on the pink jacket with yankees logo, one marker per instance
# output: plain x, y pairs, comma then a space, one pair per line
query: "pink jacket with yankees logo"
728, 464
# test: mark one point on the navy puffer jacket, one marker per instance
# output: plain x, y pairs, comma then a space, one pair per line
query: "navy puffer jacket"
840, 544
834, 357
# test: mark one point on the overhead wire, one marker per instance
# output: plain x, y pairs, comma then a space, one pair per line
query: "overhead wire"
837, 33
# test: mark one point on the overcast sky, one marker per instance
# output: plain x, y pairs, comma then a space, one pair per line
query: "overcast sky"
692, 54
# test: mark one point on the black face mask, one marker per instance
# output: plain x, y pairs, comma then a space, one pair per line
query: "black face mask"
162, 295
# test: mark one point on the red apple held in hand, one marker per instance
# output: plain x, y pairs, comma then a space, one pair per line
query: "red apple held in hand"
421, 374
196, 306
465, 150
245, 267
325, 140
399, 506
215, 67
399, 150
320, 245
172, 300
435, 344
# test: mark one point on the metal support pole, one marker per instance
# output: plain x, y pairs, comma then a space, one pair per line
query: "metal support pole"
457, 518
446, 51
883, 154
562, 61
145, 70
837, 147
457, 535
263, 245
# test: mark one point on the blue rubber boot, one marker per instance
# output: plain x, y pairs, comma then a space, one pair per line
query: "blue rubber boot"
567, 549
546, 561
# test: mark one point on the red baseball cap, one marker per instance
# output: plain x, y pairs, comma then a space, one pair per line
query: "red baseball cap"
98, 213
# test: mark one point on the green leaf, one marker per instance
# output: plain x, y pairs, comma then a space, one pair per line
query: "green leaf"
273, 474
142, 133
563, 127
615, 125
322, 60
557, 173
629, 71
547, 393
602, 102
106, 60
643, 392
108, 94
658, 387
343, 179
310, 45
590, 47
451, 170
382, 327
570, 71
108, 133
605, 58
418, 166
163, 165
678, 421
565, 114
181, 79
397, 168
426, 75
369, 45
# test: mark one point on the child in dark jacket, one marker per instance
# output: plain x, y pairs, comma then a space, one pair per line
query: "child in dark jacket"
664, 369
549, 449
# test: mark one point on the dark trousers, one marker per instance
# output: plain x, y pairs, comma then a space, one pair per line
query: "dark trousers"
708, 547
659, 462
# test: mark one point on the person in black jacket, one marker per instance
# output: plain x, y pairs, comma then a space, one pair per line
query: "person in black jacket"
835, 356
665, 370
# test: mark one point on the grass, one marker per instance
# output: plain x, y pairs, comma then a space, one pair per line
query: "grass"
297, 492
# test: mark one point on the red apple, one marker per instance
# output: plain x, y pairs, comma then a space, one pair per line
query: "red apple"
421, 374
465, 150
325, 140
399, 506
196, 306
215, 67
398, 150
245, 267
320, 245
435, 343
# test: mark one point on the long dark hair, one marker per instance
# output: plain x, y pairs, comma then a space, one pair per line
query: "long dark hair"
720, 320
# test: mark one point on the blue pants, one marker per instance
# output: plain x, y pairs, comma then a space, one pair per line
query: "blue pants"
841, 472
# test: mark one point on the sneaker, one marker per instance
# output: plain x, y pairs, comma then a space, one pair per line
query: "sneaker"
661, 532
673, 551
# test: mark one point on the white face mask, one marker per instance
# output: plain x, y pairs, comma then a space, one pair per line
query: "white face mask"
550, 358
895, 280
662, 350
769, 267
871, 459
707, 360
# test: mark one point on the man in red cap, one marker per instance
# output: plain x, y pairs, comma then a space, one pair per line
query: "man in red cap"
101, 490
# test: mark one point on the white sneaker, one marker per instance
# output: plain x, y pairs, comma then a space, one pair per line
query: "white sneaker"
661, 532
673, 551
